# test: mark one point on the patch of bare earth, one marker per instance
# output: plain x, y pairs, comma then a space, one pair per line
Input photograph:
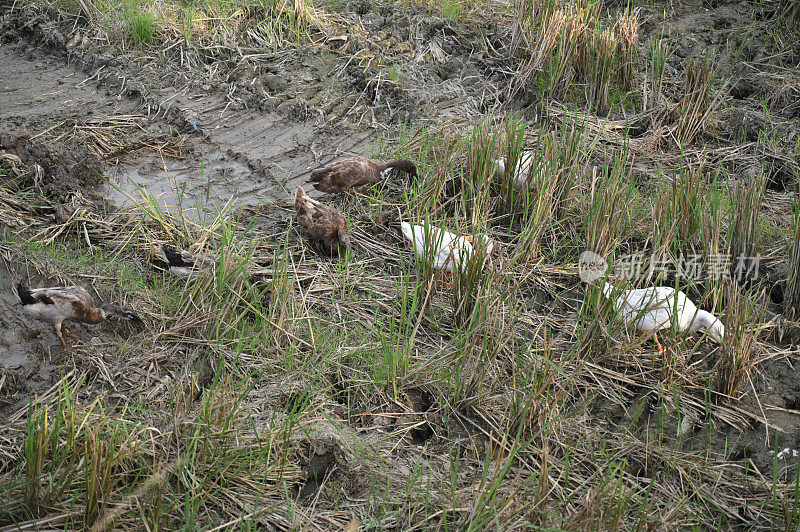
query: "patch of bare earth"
287, 390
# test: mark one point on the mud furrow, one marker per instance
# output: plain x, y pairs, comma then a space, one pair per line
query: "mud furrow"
37, 91
250, 155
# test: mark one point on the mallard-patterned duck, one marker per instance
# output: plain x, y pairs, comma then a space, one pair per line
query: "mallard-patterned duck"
651, 310
323, 225
58, 304
343, 175
185, 264
449, 251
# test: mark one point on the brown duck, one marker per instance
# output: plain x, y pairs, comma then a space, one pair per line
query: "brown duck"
58, 304
323, 225
355, 171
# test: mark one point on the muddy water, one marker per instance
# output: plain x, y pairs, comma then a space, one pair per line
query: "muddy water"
207, 177
231, 154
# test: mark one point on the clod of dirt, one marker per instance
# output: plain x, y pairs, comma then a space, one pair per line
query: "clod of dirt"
420, 402
320, 454
744, 124
742, 89
780, 174
64, 170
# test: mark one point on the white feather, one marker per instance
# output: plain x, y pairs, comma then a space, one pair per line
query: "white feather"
449, 251
651, 309
522, 170
54, 313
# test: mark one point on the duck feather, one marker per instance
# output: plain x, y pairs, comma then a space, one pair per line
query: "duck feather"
186, 264
324, 226
355, 171
57, 304
652, 309
449, 250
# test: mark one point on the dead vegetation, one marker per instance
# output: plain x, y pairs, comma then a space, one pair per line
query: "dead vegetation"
285, 391
490, 365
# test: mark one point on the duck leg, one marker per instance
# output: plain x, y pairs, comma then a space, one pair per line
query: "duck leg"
60, 334
658, 344
68, 334
446, 279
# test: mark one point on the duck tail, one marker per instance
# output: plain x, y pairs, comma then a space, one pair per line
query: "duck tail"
171, 255
607, 290
25, 295
500, 167
405, 227
123, 312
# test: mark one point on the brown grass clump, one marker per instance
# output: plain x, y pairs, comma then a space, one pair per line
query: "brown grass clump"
741, 345
743, 236
627, 28
559, 44
697, 105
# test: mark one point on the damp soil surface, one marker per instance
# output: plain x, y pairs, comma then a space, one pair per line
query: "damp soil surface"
94, 127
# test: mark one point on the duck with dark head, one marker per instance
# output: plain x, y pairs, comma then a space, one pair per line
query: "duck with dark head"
346, 174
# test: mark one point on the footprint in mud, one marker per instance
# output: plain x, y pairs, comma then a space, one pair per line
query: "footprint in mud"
24, 370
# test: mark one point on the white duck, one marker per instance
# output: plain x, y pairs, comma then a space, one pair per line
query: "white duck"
450, 250
651, 309
522, 170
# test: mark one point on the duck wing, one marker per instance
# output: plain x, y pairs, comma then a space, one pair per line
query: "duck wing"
345, 174
455, 253
444, 246
648, 309
321, 223
178, 258
53, 295
55, 304
524, 167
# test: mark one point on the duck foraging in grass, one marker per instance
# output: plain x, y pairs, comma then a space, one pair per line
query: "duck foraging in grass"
186, 264
324, 226
449, 251
343, 175
58, 304
652, 309
522, 171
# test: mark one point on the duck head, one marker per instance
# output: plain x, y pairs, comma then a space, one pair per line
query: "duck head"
709, 322
404, 166
717, 331
344, 240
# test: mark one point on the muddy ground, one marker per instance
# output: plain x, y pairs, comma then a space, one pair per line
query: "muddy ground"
251, 130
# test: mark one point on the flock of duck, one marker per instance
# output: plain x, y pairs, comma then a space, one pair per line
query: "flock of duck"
648, 309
